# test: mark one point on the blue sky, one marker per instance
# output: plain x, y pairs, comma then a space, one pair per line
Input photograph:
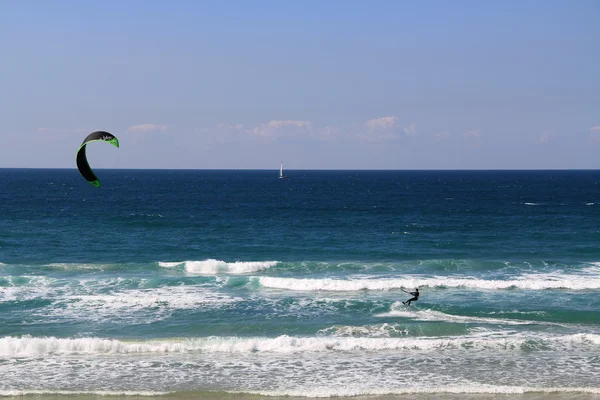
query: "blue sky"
317, 84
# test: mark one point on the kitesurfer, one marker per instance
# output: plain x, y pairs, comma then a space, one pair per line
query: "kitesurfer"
415, 297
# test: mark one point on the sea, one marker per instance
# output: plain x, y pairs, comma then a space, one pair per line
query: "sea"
237, 284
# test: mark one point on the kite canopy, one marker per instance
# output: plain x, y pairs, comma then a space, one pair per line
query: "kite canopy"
82, 164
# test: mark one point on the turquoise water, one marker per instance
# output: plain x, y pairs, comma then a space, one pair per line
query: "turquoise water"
237, 281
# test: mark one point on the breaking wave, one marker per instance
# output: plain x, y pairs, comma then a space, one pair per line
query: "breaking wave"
529, 282
28, 346
213, 267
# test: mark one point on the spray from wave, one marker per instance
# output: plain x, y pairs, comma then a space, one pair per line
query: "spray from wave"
213, 267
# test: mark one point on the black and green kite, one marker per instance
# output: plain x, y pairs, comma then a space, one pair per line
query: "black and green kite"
82, 164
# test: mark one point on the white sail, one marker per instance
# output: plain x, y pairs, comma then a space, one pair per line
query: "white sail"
281, 175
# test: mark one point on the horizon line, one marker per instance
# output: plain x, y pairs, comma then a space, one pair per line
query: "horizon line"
307, 169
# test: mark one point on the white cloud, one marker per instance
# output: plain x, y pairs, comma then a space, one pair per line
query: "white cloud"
411, 130
383, 123
148, 128
276, 128
595, 133
145, 133
230, 126
379, 129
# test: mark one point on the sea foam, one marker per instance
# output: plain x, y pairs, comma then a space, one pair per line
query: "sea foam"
139, 305
28, 392
433, 315
529, 282
213, 267
353, 390
28, 346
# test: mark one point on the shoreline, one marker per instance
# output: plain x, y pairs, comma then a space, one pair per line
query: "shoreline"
530, 394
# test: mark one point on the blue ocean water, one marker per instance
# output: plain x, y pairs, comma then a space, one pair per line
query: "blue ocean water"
170, 281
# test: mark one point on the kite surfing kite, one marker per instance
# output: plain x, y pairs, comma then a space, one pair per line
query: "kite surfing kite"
82, 164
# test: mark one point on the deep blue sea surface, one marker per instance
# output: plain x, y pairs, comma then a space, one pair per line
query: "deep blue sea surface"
238, 281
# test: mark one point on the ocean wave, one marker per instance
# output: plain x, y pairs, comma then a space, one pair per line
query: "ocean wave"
531, 282
140, 305
170, 264
378, 330
401, 329
28, 346
114, 299
41, 392
26, 281
180, 297
356, 390
324, 391
212, 266
433, 315
23, 288
83, 266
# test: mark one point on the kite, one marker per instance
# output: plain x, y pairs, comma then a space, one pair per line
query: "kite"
82, 163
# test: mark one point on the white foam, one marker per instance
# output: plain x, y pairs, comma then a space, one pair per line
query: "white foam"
213, 267
165, 264
160, 302
432, 315
527, 282
180, 297
585, 338
378, 330
540, 313
81, 266
26, 288
593, 270
28, 346
25, 392
355, 390
29, 280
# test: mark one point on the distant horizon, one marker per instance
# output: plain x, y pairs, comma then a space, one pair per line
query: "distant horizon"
304, 169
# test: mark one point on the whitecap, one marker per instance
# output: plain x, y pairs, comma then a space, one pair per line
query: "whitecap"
213, 267
526, 282
28, 346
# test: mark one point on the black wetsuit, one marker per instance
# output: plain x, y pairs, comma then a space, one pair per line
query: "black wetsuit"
415, 298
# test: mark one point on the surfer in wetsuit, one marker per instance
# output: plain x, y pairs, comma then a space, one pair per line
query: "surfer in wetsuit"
415, 297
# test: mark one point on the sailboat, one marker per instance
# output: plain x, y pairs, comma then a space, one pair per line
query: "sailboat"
281, 175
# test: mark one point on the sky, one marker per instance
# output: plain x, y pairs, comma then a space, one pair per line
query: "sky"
316, 84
